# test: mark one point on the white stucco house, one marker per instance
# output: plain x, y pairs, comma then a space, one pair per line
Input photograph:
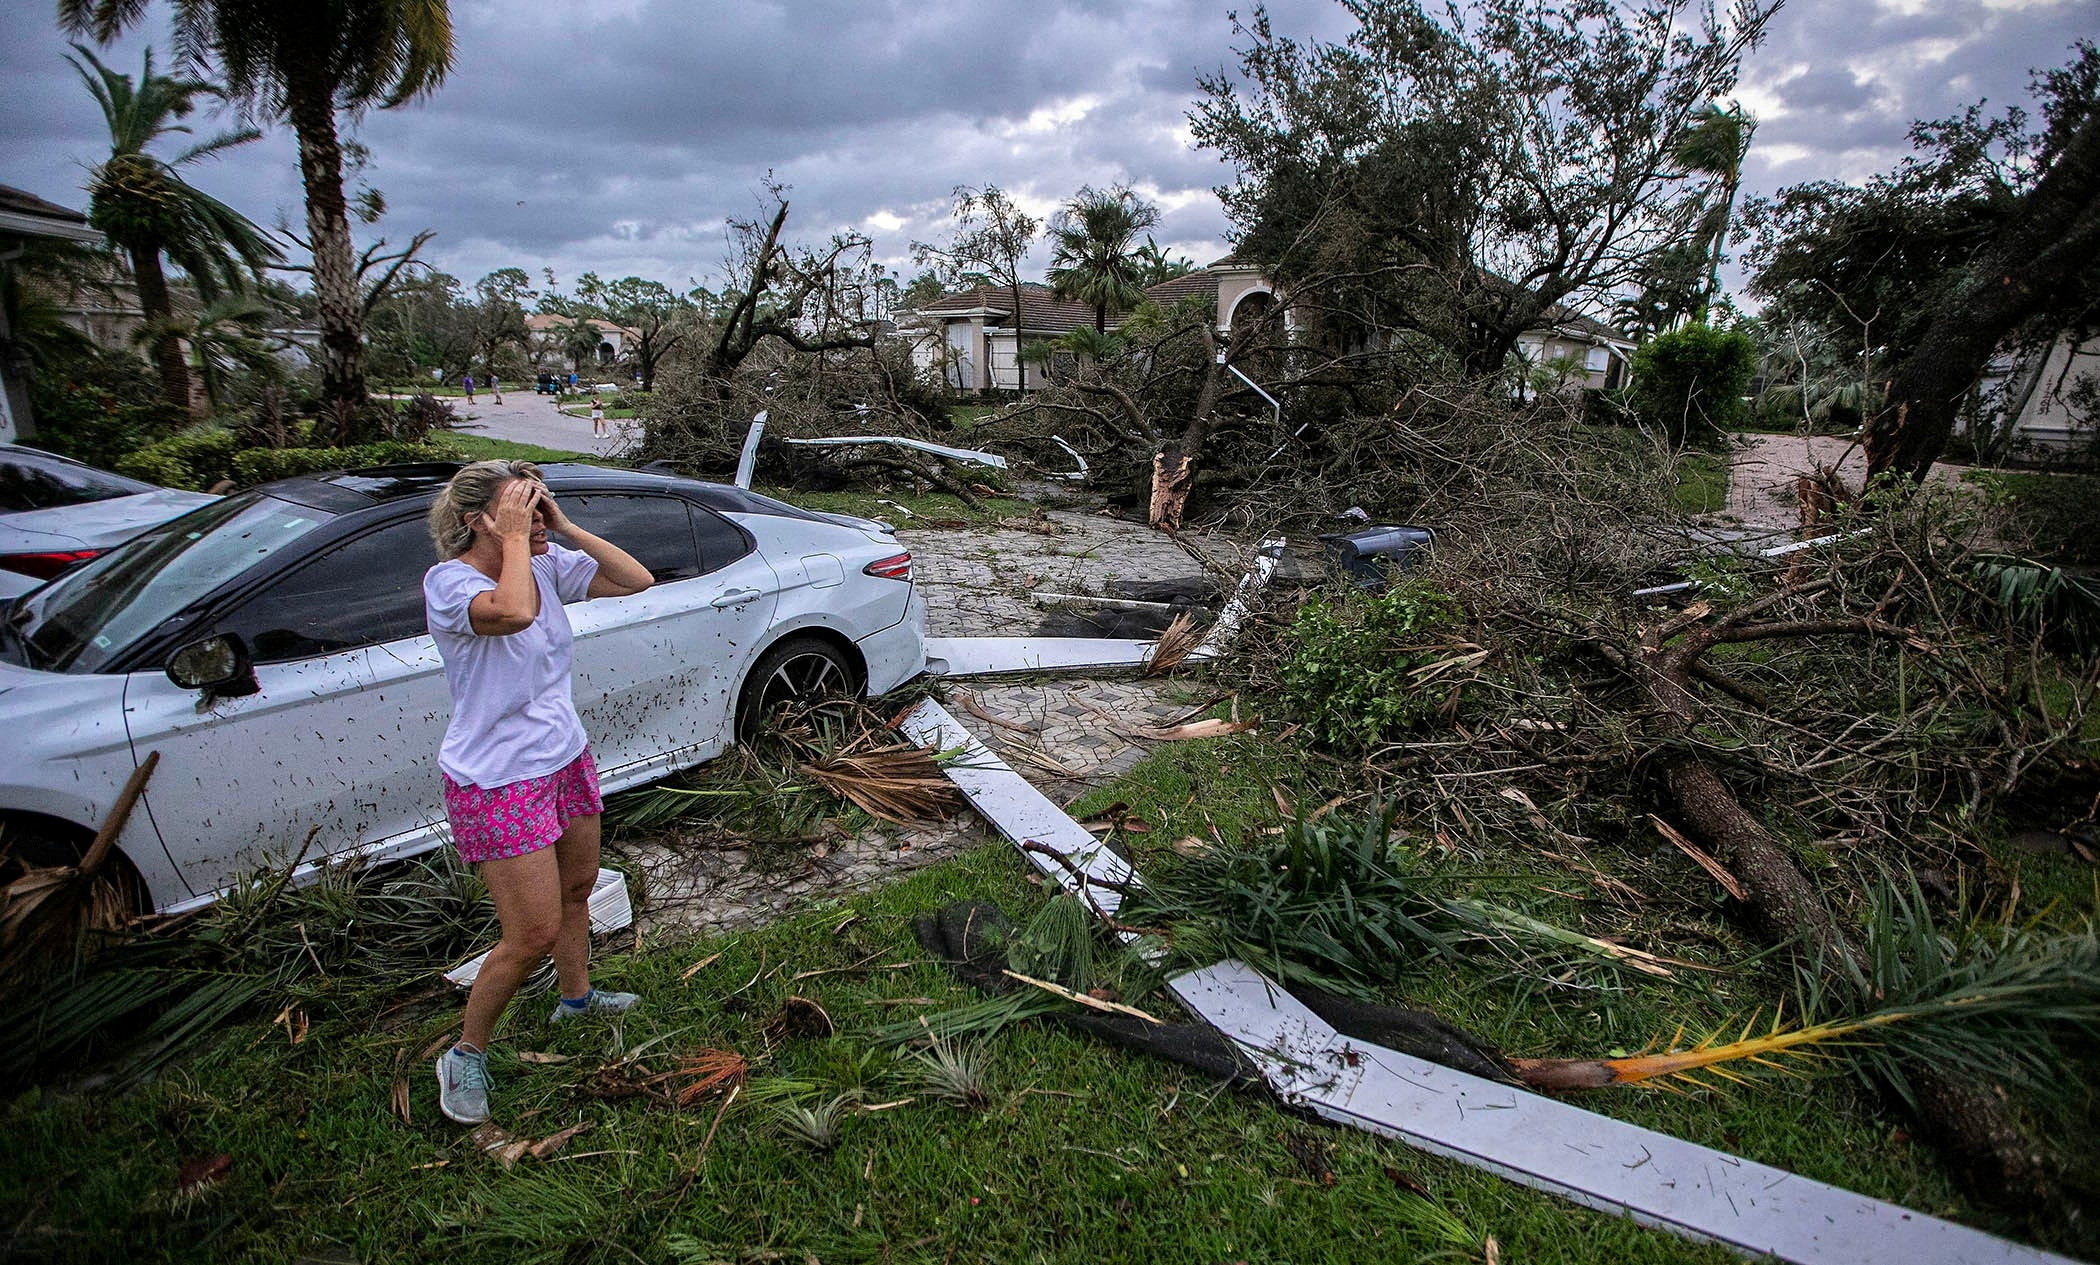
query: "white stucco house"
550, 336
2058, 408
24, 217
970, 337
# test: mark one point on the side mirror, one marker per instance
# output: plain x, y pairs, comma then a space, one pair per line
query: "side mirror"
217, 665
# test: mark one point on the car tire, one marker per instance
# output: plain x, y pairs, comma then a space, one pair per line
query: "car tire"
29, 842
800, 669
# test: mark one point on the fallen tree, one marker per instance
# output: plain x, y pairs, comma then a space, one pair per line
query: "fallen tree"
1874, 702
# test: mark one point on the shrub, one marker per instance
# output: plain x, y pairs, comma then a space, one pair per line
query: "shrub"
200, 459
194, 460
2047, 516
261, 465
96, 406
1351, 671
1690, 383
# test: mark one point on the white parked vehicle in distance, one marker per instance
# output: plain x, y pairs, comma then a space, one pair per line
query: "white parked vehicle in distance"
56, 513
271, 646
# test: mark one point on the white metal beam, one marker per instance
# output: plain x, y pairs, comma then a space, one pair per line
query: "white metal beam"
1594, 1160
995, 656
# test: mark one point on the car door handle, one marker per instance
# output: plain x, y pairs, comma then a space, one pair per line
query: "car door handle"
735, 597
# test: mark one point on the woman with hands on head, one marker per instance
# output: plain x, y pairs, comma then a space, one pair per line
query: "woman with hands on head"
521, 791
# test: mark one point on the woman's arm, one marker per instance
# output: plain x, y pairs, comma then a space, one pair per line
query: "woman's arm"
514, 603
619, 575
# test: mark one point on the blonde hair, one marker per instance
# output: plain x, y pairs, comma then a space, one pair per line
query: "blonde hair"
471, 492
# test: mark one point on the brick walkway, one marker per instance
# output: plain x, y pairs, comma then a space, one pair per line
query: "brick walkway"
1066, 735
1761, 481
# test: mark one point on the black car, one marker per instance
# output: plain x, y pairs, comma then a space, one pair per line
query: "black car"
546, 384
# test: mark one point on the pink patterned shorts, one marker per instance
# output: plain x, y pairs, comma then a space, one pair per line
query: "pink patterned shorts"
492, 823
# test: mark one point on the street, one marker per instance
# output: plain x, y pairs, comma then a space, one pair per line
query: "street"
526, 418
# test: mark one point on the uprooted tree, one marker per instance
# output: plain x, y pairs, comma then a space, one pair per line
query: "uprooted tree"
1421, 194
1986, 240
794, 335
1876, 704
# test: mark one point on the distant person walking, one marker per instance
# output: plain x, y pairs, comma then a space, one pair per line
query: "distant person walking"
495, 389
598, 418
468, 383
521, 789
572, 383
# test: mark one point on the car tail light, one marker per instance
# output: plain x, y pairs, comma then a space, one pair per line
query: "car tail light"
895, 567
42, 566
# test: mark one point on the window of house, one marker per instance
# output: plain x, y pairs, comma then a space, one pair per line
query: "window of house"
359, 593
1597, 359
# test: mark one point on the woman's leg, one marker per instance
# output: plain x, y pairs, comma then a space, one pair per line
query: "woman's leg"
577, 853
527, 892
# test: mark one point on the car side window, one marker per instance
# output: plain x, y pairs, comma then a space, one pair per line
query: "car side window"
31, 483
359, 593
720, 541
657, 530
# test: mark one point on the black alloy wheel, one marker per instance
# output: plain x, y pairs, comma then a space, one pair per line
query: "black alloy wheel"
799, 673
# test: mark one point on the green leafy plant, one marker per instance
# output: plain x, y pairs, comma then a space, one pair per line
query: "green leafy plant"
1689, 383
1057, 944
817, 1126
950, 1071
1340, 904
1364, 668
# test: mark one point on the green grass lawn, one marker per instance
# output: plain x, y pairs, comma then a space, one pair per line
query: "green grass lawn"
486, 448
1702, 483
613, 413
1082, 1151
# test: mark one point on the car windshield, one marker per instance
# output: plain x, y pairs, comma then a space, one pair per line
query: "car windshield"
33, 481
88, 616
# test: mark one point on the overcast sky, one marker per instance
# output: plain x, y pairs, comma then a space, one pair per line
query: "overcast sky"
616, 135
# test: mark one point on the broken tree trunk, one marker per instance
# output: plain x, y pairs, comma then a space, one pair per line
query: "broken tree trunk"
2042, 248
1973, 1121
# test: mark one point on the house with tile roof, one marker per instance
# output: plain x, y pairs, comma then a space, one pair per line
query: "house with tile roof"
970, 338
549, 339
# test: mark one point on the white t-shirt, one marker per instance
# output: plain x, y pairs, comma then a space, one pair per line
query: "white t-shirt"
513, 711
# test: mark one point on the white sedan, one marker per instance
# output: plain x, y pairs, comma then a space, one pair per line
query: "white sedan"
271, 646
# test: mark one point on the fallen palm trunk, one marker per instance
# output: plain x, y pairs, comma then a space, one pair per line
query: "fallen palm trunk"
46, 909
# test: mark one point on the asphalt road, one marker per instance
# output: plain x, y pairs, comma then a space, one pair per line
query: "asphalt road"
526, 418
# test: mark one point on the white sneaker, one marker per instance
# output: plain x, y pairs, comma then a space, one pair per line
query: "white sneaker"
595, 1002
463, 1085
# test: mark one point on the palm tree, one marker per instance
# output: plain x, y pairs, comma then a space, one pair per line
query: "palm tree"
1094, 255
1713, 144
225, 337
1156, 265
302, 63
147, 210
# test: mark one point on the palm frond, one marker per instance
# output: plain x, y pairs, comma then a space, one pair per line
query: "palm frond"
1991, 1001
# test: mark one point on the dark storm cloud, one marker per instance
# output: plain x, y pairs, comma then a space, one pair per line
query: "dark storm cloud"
617, 136
1837, 85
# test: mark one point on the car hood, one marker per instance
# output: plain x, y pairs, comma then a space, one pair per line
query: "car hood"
97, 524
